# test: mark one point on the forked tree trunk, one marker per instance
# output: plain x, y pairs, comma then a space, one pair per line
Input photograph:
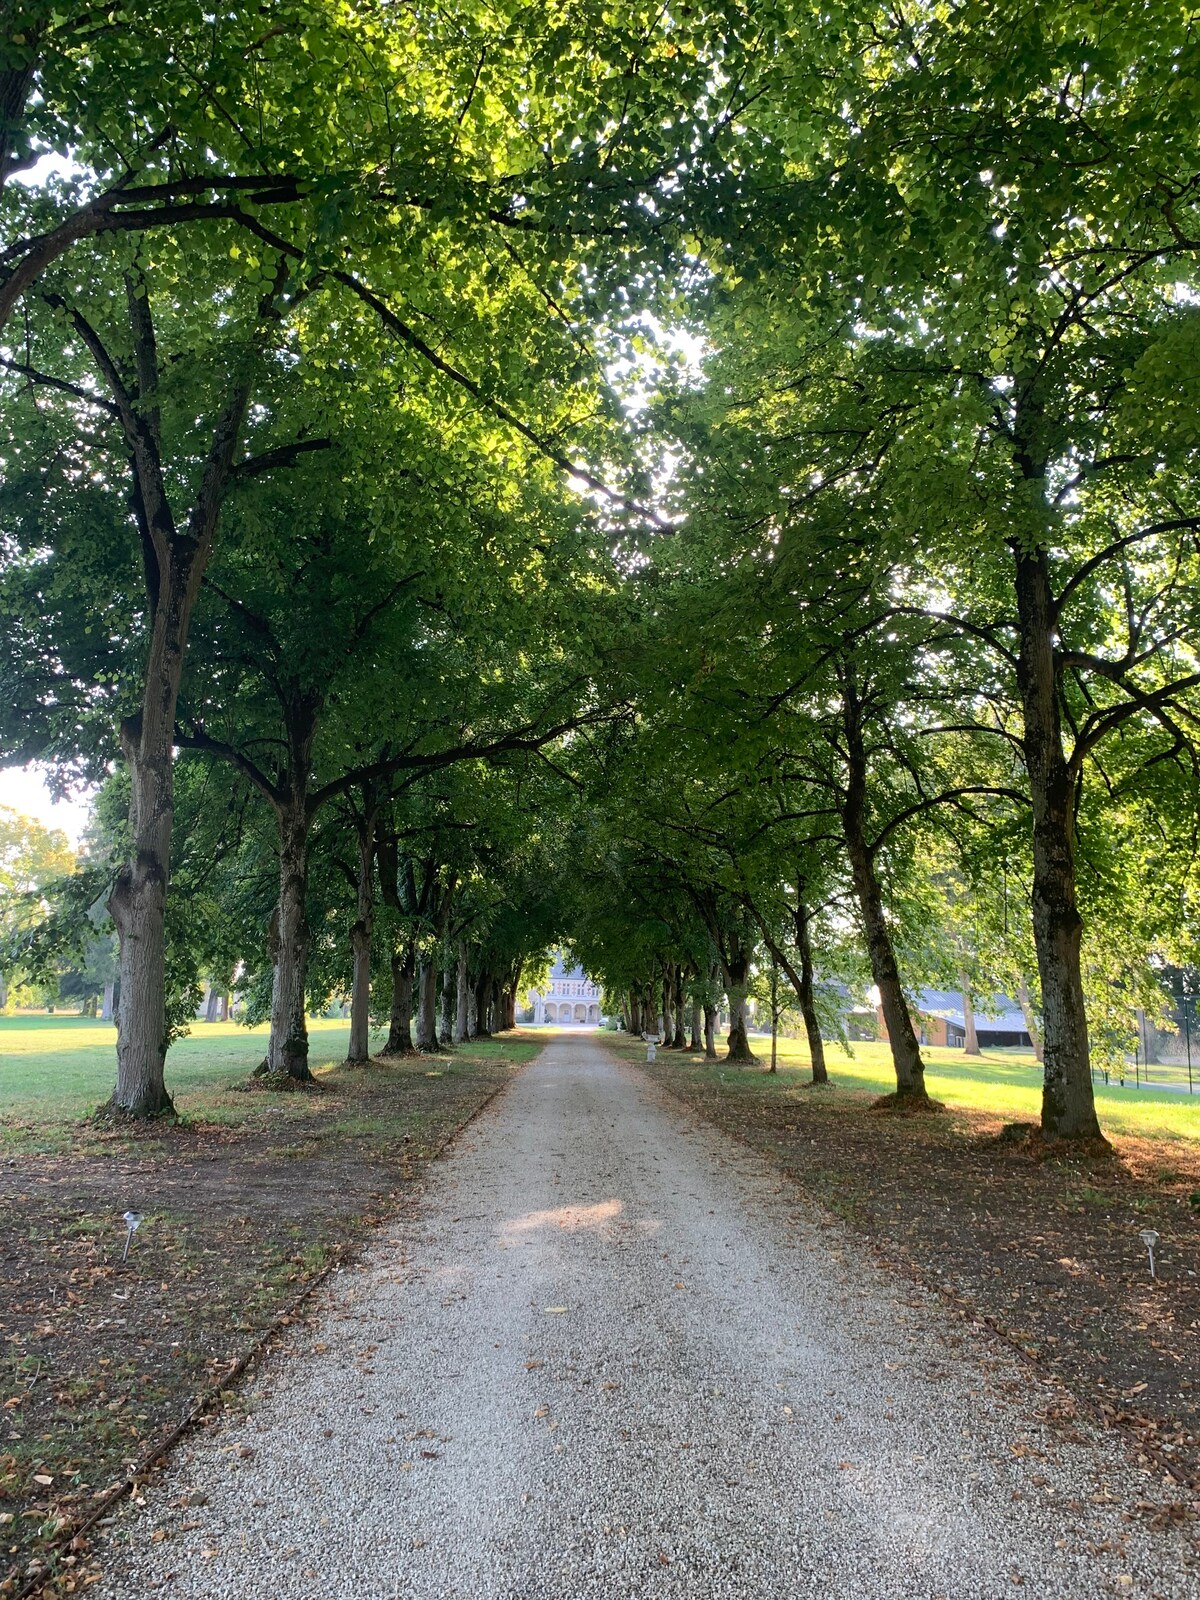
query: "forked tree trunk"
427, 1006
710, 1033
1031, 1022
696, 1042
399, 1039
461, 1005
1068, 1102
360, 943
971, 1044
174, 564
287, 1053
906, 1052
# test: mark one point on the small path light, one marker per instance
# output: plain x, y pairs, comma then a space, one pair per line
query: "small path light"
1149, 1238
133, 1221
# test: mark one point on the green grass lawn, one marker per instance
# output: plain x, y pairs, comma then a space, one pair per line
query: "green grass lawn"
56, 1068
1006, 1083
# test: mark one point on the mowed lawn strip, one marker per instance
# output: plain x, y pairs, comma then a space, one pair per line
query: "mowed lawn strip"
1047, 1250
242, 1203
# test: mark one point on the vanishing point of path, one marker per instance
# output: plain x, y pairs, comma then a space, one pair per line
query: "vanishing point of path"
609, 1353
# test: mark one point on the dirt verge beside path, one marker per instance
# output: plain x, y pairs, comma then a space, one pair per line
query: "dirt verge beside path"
100, 1359
1046, 1251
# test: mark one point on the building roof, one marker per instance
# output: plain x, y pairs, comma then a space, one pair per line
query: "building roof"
997, 1012
561, 970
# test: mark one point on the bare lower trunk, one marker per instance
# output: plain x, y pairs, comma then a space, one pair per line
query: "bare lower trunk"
668, 1023
461, 1007
106, 1005
483, 1000
427, 1005
1031, 1022
211, 1004
472, 1011
360, 946
399, 1039
710, 1033
635, 1014
139, 899
1068, 1103
906, 1052
738, 1038
807, 993
287, 1054
971, 1044
449, 990
696, 1042
680, 1040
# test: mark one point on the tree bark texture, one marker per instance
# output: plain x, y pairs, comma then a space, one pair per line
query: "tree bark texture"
287, 1054
972, 1036
427, 1005
1031, 1021
461, 1007
696, 1042
807, 993
399, 1039
360, 944
680, 1040
449, 990
906, 1052
1068, 1103
710, 1033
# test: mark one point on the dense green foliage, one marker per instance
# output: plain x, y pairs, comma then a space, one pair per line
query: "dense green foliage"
716, 485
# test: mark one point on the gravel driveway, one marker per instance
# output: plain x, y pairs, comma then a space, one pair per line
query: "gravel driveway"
610, 1354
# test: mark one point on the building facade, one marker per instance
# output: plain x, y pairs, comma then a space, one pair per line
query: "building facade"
569, 998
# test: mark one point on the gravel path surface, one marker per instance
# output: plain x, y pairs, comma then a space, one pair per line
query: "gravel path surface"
610, 1355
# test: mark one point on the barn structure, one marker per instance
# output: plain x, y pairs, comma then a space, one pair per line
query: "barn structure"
568, 998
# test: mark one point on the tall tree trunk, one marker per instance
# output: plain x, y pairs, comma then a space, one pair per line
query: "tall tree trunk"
668, 1024
211, 1003
173, 562
483, 994
138, 900
906, 1052
1031, 1022
680, 1040
1068, 1103
736, 971
399, 1039
472, 1012
360, 940
696, 1042
462, 1005
287, 1054
496, 1007
972, 1039
635, 1014
806, 992
449, 989
106, 1008
427, 1005
710, 1032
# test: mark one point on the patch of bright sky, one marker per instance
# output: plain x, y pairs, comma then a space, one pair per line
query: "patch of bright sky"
25, 789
